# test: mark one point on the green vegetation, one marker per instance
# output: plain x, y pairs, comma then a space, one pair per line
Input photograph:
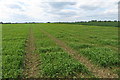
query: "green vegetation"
102, 56
14, 36
99, 44
54, 61
97, 23
0, 51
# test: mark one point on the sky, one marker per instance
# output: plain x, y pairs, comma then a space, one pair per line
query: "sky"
57, 10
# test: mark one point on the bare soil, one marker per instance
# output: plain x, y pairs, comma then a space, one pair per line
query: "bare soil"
96, 70
31, 63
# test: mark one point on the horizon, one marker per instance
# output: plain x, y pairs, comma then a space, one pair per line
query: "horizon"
65, 21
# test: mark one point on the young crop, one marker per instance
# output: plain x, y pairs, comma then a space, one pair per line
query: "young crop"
14, 36
102, 56
99, 44
55, 62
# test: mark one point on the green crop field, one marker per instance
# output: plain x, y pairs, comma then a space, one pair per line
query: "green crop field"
96, 23
13, 42
50, 50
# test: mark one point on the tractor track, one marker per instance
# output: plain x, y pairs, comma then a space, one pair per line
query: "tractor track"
31, 61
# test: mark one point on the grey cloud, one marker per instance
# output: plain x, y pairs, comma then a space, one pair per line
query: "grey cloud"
15, 6
61, 13
71, 13
89, 7
56, 8
60, 5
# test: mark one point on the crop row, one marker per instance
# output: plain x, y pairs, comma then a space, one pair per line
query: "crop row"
14, 36
99, 44
54, 61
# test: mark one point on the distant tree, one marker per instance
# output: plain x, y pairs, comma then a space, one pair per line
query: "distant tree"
100, 21
115, 20
32, 22
48, 22
1, 22
93, 20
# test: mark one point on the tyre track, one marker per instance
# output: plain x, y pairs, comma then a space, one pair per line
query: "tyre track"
31, 63
96, 70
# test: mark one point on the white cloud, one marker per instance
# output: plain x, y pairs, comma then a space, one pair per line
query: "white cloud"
57, 10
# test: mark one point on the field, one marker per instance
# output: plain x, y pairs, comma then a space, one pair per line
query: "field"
98, 23
49, 50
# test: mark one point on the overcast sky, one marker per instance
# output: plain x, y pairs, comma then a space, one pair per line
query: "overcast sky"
57, 10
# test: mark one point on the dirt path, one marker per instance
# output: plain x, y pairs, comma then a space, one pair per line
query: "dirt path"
97, 71
31, 59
